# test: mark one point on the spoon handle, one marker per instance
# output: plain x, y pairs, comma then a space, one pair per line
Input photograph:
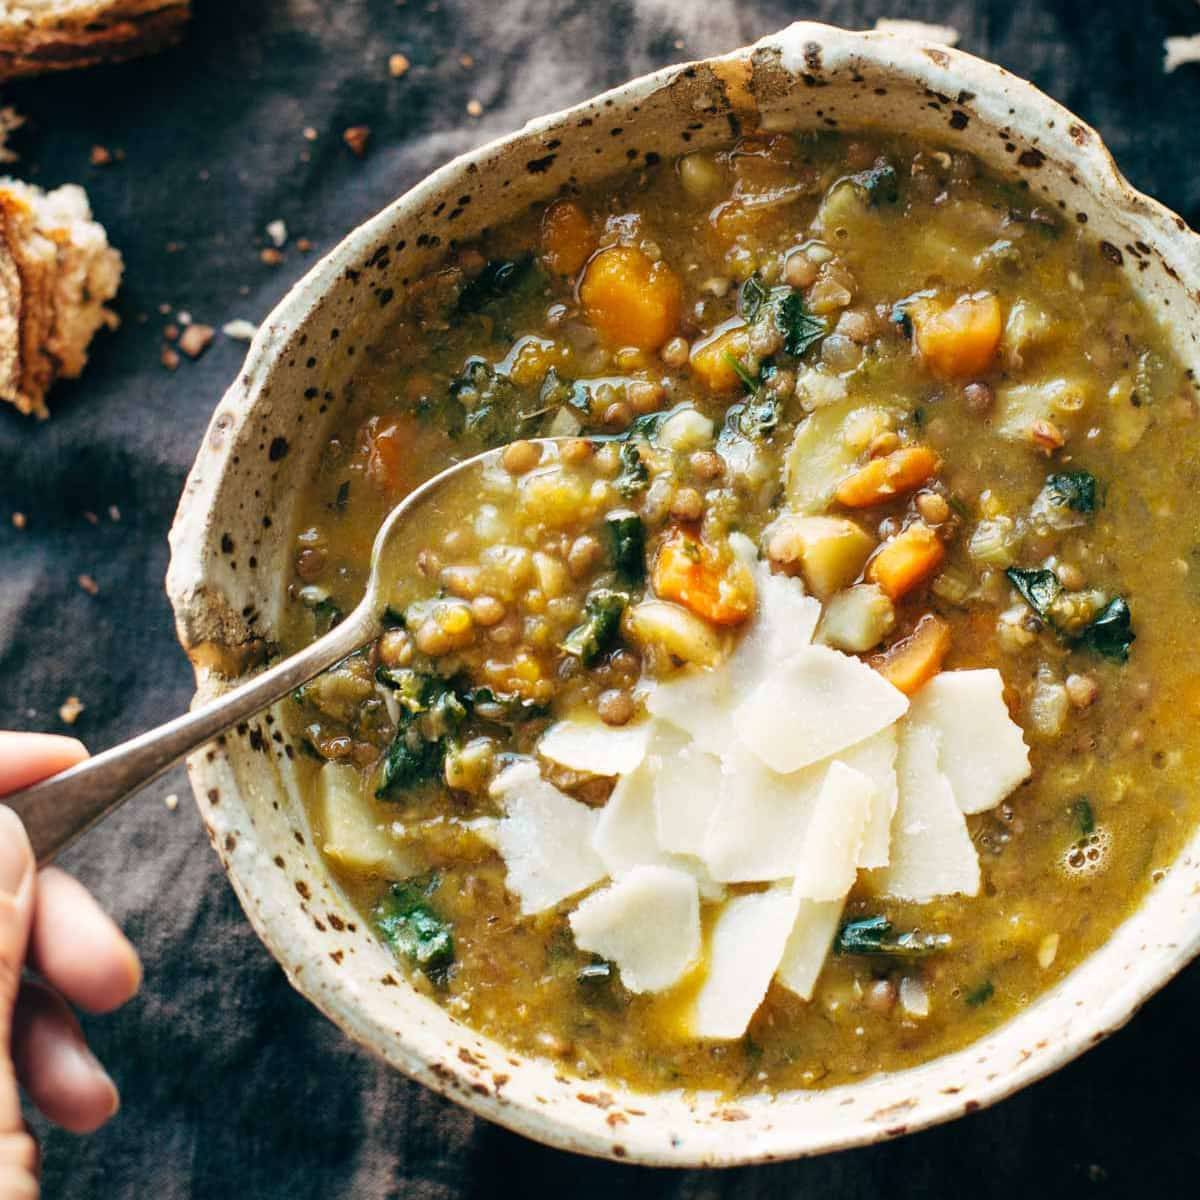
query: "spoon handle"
58, 810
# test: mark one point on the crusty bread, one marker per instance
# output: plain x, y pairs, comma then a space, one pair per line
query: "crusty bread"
57, 271
55, 35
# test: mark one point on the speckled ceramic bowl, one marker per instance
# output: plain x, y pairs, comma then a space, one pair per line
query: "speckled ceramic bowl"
230, 560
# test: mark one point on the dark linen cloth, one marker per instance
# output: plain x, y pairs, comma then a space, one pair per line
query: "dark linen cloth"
233, 1086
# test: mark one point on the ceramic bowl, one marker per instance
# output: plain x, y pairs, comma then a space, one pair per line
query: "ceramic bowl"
231, 550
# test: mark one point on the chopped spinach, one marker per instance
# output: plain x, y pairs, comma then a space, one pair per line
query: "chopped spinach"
633, 476
1082, 816
800, 328
627, 544
410, 760
981, 994
1039, 588
595, 635
413, 928
499, 277
874, 935
878, 185
1075, 490
785, 306
1111, 632
431, 713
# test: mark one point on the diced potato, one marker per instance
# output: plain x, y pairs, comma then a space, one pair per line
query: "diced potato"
353, 837
821, 456
842, 207
567, 237
912, 662
685, 430
884, 479
830, 551
1019, 407
1026, 328
630, 300
907, 560
710, 359
960, 340
857, 619
818, 389
671, 628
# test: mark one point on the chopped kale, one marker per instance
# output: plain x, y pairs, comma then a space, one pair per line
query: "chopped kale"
499, 277
879, 185
410, 760
1082, 816
431, 713
800, 328
981, 994
1039, 588
874, 936
627, 544
1111, 632
1075, 490
413, 929
595, 635
633, 476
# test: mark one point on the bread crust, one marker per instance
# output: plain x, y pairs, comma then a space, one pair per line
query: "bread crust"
101, 33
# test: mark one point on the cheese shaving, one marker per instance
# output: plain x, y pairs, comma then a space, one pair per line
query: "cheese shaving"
593, 748
828, 864
808, 945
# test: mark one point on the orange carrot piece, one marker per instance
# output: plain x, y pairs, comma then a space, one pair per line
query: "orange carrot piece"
694, 575
567, 237
883, 479
906, 560
630, 300
912, 662
959, 341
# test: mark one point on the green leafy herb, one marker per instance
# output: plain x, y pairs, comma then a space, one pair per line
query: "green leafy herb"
752, 296
1039, 588
980, 995
410, 760
413, 929
875, 935
595, 635
503, 708
879, 185
499, 277
749, 382
633, 476
801, 329
627, 544
1075, 490
431, 713
1111, 631
1082, 816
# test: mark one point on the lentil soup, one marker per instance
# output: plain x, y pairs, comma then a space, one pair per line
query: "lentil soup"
840, 418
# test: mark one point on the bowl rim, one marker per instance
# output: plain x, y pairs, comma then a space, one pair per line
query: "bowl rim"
915, 61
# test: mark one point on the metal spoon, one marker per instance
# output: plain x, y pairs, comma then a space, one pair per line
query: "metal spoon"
58, 810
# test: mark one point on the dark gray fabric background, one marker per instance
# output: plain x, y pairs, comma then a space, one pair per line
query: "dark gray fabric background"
233, 1086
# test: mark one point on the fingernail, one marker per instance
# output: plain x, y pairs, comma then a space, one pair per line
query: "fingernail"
86, 1063
16, 858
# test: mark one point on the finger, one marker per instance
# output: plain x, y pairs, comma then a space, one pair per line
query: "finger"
20, 1166
27, 757
16, 914
77, 948
55, 1065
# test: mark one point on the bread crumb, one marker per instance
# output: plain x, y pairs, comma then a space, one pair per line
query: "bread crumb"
89, 585
356, 137
474, 108
19, 520
239, 329
310, 134
195, 339
70, 709
270, 256
169, 358
100, 156
277, 231
114, 513
398, 65
171, 801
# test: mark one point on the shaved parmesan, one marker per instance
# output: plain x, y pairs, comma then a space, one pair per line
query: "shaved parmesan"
876, 759
808, 946
982, 751
759, 827
625, 836
812, 706
594, 748
783, 625
686, 792
745, 950
932, 853
828, 864
696, 701
648, 923
545, 839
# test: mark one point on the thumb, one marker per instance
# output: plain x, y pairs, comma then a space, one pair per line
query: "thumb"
17, 873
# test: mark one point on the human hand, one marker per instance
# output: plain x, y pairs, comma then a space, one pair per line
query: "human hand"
49, 925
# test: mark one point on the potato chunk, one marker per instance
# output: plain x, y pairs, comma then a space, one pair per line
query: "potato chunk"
857, 619
829, 551
630, 300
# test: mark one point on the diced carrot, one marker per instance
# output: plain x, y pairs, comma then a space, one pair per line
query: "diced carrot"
567, 237
631, 300
960, 340
907, 560
710, 361
394, 459
719, 589
883, 479
912, 662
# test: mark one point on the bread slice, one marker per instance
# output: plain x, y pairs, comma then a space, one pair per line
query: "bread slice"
54, 35
57, 272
